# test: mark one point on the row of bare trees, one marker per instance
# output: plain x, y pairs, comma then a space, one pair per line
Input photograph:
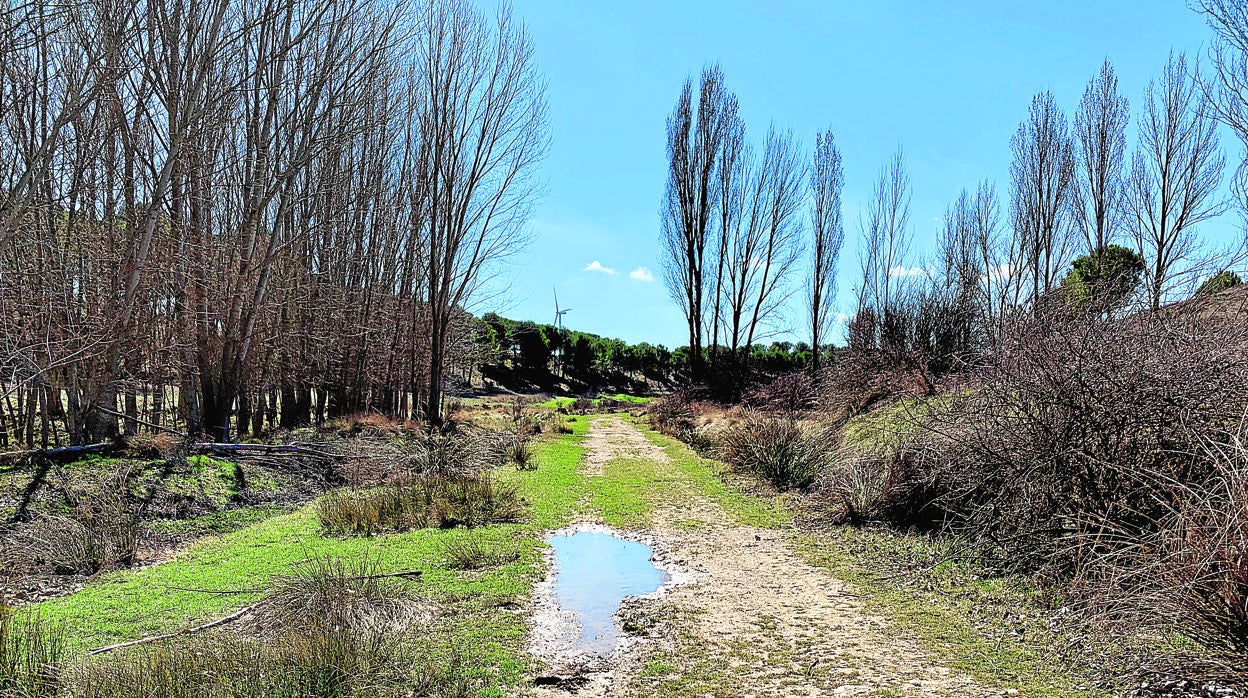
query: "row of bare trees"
222, 216
1075, 192
734, 224
734, 228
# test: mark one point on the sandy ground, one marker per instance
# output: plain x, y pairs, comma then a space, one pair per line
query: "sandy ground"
746, 617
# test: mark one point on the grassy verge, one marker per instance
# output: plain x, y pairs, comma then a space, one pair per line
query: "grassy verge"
129, 604
712, 479
557, 402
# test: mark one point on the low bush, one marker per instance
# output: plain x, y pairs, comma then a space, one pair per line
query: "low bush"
468, 554
425, 501
330, 591
158, 445
779, 450
31, 653
521, 454
853, 488
461, 453
339, 661
674, 414
371, 424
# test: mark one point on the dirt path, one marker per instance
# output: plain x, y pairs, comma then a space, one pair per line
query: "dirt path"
753, 619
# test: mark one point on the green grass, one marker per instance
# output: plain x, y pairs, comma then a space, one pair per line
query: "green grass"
216, 523
623, 397
557, 402
555, 490
709, 477
125, 605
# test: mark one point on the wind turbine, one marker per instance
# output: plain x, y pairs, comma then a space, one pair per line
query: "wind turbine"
559, 313
559, 326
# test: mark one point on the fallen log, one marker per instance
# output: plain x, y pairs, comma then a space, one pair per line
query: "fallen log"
169, 636
206, 447
58, 453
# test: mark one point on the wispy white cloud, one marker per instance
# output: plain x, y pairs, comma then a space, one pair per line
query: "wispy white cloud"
998, 274
900, 271
597, 266
641, 274
840, 319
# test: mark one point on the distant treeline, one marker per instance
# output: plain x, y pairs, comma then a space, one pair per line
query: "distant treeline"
593, 359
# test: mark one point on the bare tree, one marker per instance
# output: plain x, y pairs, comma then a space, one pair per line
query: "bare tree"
774, 211
483, 129
886, 239
1175, 175
694, 144
1040, 176
1227, 89
998, 281
765, 244
731, 176
827, 179
1100, 146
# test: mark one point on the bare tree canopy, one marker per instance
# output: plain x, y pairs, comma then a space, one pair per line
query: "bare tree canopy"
827, 180
482, 131
886, 237
1226, 90
694, 149
1040, 176
1175, 175
1100, 150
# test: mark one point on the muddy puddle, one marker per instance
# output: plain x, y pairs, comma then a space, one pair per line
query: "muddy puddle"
594, 569
594, 572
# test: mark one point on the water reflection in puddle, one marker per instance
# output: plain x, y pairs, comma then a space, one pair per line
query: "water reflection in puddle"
593, 573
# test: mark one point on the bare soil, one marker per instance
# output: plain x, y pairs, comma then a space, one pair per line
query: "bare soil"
751, 619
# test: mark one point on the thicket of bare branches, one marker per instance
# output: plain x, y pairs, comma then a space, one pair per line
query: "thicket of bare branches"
229, 216
1106, 451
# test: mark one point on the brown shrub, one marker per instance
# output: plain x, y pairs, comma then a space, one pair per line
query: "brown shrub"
794, 392
425, 501
1081, 434
674, 413
100, 532
778, 450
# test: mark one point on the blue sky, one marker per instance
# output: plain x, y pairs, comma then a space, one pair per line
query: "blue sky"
946, 81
